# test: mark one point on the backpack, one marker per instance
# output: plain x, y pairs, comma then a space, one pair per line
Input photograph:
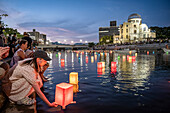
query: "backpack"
6, 83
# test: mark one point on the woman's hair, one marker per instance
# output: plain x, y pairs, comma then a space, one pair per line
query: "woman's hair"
22, 42
32, 61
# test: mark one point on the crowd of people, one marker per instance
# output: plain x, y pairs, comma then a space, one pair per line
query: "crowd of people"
24, 74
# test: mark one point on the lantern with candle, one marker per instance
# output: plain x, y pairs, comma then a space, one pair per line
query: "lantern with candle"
113, 64
130, 52
73, 78
64, 94
99, 65
133, 58
147, 52
75, 88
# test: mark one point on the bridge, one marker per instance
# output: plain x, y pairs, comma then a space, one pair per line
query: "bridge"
62, 47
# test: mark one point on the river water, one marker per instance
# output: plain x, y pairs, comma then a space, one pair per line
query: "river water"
138, 85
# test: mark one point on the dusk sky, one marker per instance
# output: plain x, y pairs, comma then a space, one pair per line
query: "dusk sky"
80, 19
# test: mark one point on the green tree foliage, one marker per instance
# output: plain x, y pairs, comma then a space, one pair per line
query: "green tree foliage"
161, 32
106, 40
91, 44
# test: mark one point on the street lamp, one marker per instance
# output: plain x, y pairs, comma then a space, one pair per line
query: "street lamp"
80, 40
64, 40
85, 41
72, 41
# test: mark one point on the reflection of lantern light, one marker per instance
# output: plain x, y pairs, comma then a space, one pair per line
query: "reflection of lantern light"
101, 54
75, 88
56, 55
100, 71
92, 59
99, 65
136, 54
153, 52
130, 59
77, 54
110, 51
95, 57
64, 94
105, 54
147, 52
87, 59
133, 58
73, 78
113, 64
62, 60
127, 57
124, 58
130, 52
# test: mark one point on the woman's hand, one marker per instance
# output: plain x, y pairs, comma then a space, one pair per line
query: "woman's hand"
54, 104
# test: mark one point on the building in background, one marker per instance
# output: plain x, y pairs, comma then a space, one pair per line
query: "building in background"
39, 38
108, 32
131, 31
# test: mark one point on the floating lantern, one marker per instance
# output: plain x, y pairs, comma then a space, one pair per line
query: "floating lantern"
130, 52
99, 65
147, 52
64, 94
95, 57
136, 54
113, 64
73, 78
103, 64
130, 58
75, 88
133, 58
62, 60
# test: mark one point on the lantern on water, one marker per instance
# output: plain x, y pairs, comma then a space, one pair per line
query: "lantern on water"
100, 71
99, 65
64, 94
130, 52
147, 52
62, 64
113, 64
136, 54
73, 78
103, 64
75, 88
130, 58
133, 58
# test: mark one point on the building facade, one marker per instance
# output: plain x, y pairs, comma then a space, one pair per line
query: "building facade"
131, 31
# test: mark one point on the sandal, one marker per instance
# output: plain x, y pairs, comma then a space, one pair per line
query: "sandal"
26, 101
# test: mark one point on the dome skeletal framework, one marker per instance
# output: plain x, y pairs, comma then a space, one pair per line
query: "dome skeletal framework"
134, 15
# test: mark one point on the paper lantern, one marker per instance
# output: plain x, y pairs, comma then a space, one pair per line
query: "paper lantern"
62, 64
147, 52
100, 71
73, 78
103, 64
136, 54
75, 88
133, 58
113, 64
130, 52
130, 58
62, 60
124, 58
64, 94
99, 65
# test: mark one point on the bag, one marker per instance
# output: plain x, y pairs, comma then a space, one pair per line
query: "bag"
6, 83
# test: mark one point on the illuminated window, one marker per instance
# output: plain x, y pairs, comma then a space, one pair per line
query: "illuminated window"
137, 21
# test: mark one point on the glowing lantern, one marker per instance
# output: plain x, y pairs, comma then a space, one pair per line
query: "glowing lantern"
130, 58
133, 58
136, 54
103, 64
113, 64
101, 54
73, 78
62, 60
87, 59
110, 51
75, 88
62, 64
92, 59
130, 52
153, 52
105, 54
99, 65
64, 94
100, 71
77, 54
147, 52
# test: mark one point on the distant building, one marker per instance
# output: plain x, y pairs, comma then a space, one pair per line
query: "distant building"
112, 30
40, 38
129, 32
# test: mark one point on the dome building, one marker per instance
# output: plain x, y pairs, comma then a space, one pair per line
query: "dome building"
134, 31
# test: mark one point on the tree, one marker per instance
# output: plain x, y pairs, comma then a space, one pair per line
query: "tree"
91, 44
106, 40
